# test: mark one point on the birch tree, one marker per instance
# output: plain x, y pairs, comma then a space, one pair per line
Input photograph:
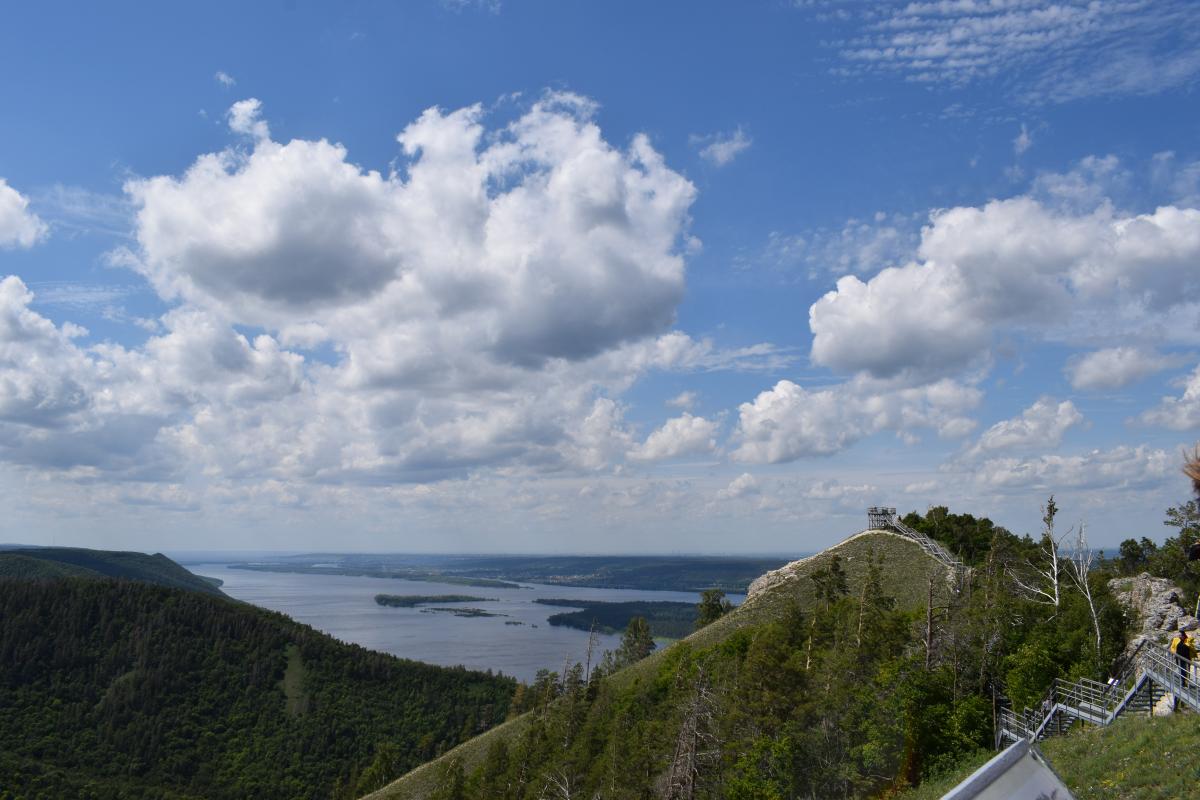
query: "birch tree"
1080, 563
1042, 581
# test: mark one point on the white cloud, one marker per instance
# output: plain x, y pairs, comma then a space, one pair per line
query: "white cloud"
1180, 179
40, 367
1023, 141
1007, 267
546, 243
1043, 53
1116, 469
1089, 184
1041, 425
1115, 367
743, 485
245, 117
685, 401
788, 422
1178, 413
722, 148
224, 78
684, 435
857, 247
853, 496
19, 227
482, 309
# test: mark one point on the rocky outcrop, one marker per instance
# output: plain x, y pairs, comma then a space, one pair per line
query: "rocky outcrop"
1154, 606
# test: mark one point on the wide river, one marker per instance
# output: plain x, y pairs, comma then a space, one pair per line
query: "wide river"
344, 606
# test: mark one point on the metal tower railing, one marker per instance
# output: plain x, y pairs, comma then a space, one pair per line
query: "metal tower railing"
1154, 674
883, 518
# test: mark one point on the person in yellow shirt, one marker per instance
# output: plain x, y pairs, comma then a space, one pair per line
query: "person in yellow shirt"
1181, 646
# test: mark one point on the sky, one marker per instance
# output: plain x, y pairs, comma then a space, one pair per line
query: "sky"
677, 277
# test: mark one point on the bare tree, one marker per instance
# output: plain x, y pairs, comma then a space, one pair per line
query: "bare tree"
560, 785
1081, 561
1045, 584
696, 747
593, 641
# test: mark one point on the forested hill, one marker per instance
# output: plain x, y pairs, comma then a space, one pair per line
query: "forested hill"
785, 679
63, 562
857, 672
115, 688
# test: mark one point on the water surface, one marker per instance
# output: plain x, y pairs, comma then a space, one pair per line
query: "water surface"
344, 606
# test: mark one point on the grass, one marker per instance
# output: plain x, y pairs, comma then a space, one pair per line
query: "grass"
1135, 758
937, 786
1147, 758
906, 570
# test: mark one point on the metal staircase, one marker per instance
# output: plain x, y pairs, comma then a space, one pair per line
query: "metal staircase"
1153, 675
882, 518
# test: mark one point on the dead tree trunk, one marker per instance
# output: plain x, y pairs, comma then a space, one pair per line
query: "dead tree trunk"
696, 747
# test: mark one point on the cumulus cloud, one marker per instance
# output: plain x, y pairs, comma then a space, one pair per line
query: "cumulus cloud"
19, 227
743, 485
224, 78
1010, 266
684, 435
547, 242
789, 422
245, 117
1116, 469
483, 307
40, 367
1041, 425
1116, 367
1178, 413
720, 149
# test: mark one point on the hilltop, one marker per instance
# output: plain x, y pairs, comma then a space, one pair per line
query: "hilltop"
883, 561
78, 562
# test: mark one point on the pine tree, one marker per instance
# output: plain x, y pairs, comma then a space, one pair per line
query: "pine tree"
636, 643
712, 607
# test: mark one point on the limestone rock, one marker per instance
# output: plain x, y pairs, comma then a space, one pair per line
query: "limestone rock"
1154, 605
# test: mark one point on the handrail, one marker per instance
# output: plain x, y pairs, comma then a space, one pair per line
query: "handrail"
1101, 703
886, 517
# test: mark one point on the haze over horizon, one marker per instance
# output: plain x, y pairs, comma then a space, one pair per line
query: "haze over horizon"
539, 277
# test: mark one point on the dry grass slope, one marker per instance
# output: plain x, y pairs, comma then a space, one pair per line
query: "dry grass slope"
906, 570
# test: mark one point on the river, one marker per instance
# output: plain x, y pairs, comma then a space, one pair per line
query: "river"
344, 607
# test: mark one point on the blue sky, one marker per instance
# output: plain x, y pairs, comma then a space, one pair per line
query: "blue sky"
561, 276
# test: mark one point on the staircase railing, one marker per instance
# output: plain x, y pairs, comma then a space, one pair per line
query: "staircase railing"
886, 518
1153, 667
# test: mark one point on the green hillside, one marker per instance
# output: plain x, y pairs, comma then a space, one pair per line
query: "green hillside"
122, 689
647, 695
64, 562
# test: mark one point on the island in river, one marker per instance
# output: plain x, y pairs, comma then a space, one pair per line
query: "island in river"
413, 600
